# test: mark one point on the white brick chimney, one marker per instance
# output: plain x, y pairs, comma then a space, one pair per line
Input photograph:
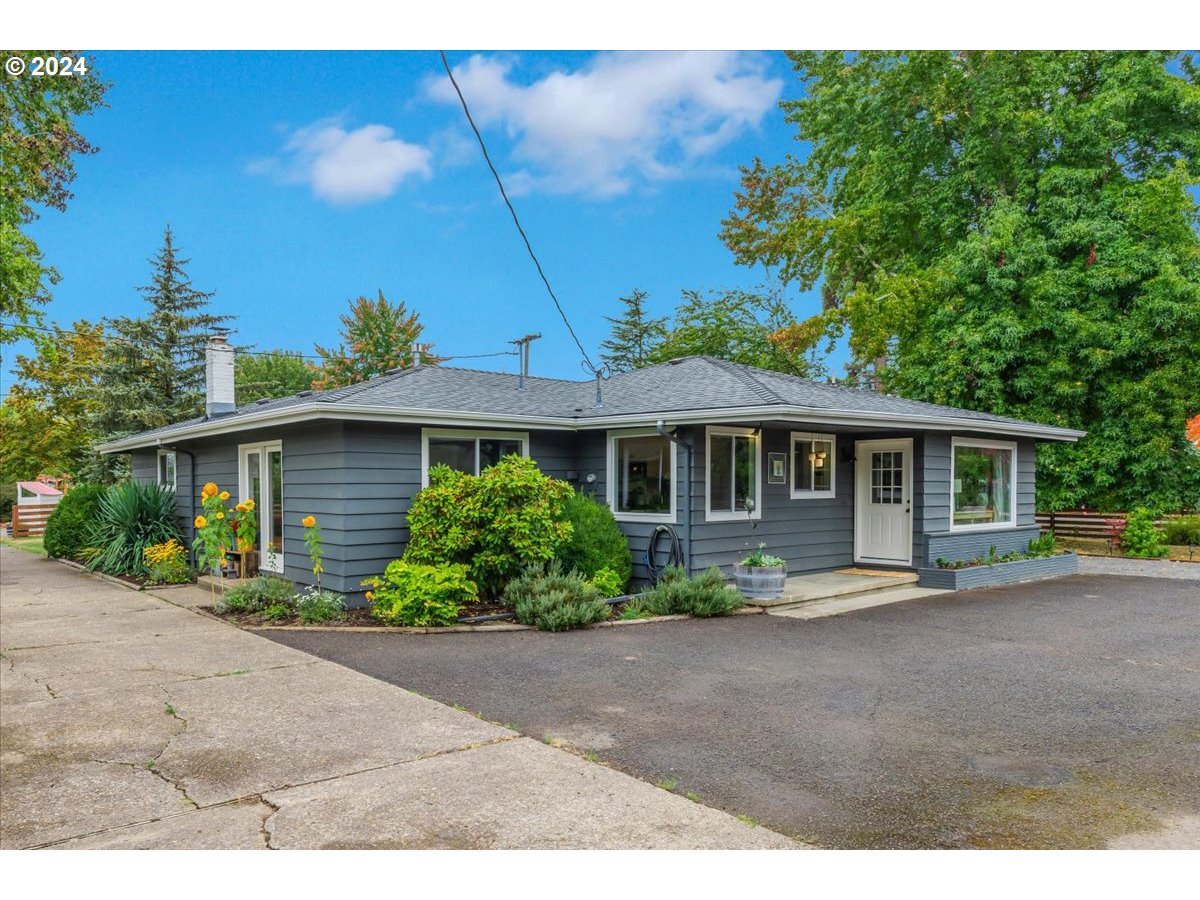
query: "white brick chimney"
218, 377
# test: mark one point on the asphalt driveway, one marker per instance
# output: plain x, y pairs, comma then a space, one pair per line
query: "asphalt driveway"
1062, 713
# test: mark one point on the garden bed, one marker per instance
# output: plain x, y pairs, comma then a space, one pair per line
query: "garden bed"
985, 575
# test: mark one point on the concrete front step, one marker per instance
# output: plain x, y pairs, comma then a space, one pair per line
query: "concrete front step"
824, 585
834, 606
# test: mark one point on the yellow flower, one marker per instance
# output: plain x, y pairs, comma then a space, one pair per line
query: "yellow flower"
220, 515
200, 522
308, 521
250, 505
370, 595
210, 490
241, 507
224, 495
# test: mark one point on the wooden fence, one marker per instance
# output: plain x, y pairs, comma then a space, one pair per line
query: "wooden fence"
29, 521
1085, 523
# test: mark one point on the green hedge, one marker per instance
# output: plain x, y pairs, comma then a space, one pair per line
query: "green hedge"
596, 542
68, 526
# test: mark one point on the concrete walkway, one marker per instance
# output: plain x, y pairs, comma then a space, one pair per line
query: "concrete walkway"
132, 722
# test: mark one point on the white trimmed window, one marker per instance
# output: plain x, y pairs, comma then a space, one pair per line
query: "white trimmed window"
166, 468
814, 465
983, 484
641, 476
468, 451
732, 474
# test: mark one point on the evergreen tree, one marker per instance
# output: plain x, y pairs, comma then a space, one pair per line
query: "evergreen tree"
152, 371
376, 337
634, 335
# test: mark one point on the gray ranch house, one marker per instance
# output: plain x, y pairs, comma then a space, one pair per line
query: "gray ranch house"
726, 455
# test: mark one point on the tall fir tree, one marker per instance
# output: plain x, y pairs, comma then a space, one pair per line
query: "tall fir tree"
634, 335
152, 372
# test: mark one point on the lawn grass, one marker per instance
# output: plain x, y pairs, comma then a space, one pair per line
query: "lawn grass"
28, 544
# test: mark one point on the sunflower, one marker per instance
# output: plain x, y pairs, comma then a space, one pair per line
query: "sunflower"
200, 522
210, 490
308, 521
224, 495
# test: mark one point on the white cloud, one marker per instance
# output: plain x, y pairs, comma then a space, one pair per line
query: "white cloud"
623, 119
347, 167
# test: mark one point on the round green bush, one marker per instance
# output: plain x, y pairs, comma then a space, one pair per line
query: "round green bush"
67, 528
596, 542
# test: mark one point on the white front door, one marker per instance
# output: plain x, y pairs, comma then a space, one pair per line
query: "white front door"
883, 501
260, 477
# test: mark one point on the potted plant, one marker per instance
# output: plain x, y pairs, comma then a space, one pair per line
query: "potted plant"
761, 576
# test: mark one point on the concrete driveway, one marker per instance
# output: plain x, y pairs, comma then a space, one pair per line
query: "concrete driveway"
1062, 713
127, 721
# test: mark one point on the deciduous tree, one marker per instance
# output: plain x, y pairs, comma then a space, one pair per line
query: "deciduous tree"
275, 373
376, 336
1005, 231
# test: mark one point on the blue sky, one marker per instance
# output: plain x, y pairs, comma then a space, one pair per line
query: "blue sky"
298, 181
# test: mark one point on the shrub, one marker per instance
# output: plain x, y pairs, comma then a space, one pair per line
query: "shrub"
68, 526
1043, 545
130, 518
1140, 537
609, 583
596, 542
257, 595
553, 600
167, 563
315, 605
497, 524
1183, 531
708, 594
415, 594
277, 611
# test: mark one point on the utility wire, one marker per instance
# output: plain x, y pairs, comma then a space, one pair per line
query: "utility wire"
503, 193
111, 339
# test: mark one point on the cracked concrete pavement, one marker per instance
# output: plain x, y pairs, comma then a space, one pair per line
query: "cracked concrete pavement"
129, 721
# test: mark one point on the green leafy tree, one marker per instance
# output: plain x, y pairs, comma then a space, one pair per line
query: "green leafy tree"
272, 374
376, 336
736, 325
1003, 231
152, 371
46, 415
634, 335
38, 143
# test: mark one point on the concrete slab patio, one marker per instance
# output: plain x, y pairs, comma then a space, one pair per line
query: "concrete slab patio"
131, 722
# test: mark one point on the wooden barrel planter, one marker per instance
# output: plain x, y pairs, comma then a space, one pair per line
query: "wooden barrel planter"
760, 582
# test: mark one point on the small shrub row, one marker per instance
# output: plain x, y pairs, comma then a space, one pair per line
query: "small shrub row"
554, 600
276, 598
708, 594
1040, 547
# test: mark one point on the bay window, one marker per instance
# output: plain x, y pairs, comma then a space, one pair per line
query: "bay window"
813, 465
982, 484
641, 485
732, 466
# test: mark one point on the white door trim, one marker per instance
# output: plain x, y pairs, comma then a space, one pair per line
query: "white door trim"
265, 527
863, 449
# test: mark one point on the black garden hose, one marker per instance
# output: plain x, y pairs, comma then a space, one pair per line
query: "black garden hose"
674, 557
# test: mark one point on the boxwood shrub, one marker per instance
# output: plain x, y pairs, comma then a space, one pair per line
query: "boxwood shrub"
596, 542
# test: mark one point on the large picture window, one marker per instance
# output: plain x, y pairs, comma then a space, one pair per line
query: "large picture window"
641, 482
983, 484
732, 474
813, 465
468, 451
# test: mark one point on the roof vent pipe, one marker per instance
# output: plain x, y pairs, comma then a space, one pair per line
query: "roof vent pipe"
599, 398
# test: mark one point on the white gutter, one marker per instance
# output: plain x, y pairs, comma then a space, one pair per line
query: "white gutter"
779, 412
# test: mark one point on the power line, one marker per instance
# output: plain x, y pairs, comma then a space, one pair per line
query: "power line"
112, 339
503, 193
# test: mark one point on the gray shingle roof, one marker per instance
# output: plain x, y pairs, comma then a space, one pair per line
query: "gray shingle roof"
695, 384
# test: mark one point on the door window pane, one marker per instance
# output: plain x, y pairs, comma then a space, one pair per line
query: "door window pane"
457, 453
275, 458
643, 473
982, 489
887, 476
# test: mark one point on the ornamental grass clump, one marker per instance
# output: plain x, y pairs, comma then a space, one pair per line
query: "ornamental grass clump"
129, 518
553, 600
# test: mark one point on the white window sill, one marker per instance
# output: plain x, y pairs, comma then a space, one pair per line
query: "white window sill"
814, 495
985, 526
647, 518
720, 516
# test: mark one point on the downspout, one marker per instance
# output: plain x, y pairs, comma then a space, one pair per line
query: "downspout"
661, 428
191, 492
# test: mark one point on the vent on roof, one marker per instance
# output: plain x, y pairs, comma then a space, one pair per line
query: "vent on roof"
304, 393
262, 401
394, 371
